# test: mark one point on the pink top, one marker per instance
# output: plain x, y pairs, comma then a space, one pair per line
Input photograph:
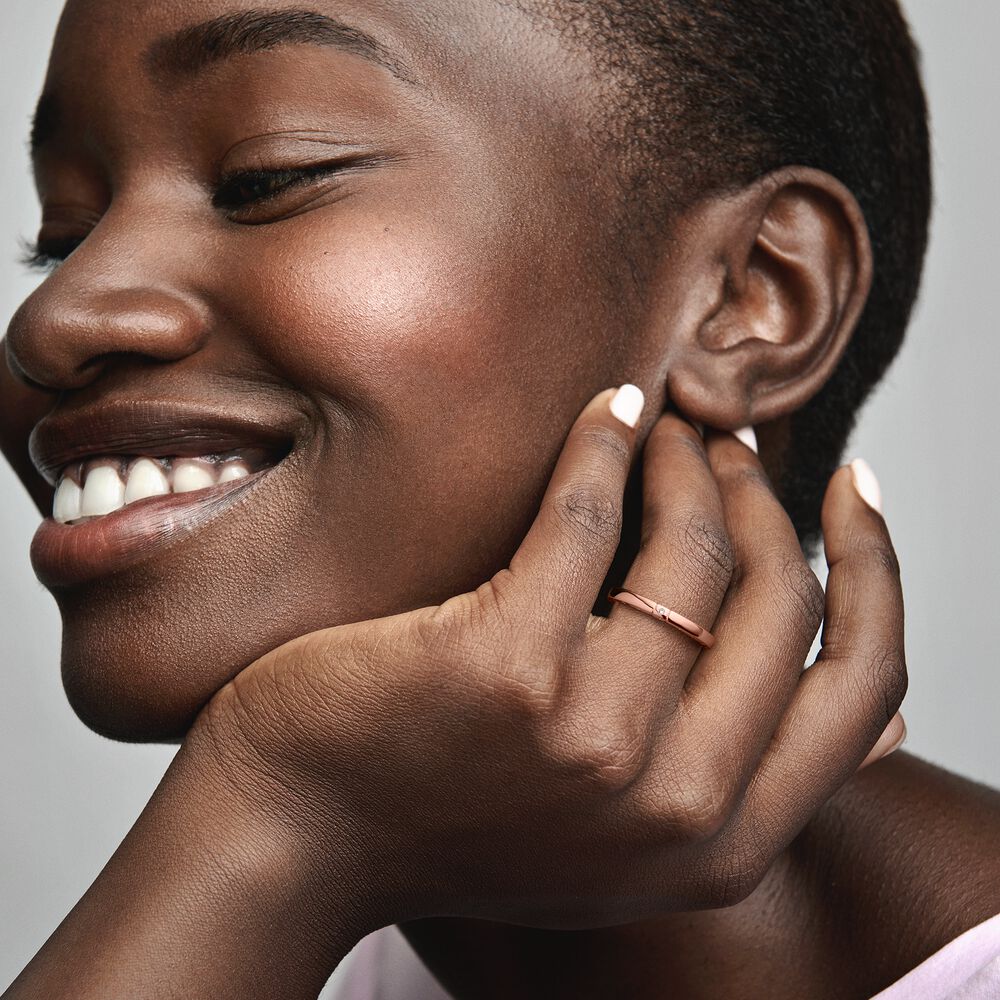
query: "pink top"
383, 967
966, 969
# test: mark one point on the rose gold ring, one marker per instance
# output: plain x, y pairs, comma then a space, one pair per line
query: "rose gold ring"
645, 605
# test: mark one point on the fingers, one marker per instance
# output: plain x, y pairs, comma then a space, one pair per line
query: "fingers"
562, 562
889, 742
768, 620
685, 563
846, 700
739, 689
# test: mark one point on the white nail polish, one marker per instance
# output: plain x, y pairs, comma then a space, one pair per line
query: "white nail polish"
866, 483
627, 405
749, 437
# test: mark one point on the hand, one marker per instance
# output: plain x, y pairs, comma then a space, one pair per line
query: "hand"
507, 755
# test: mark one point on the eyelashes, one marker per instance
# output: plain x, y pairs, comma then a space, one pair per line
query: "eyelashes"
237, 194
256, 187
46, 255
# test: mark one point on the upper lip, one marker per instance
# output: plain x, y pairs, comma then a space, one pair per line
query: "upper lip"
156, 428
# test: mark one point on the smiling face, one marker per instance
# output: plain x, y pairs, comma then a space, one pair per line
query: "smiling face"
372, 273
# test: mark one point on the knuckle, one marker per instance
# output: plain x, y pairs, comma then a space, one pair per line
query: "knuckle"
491, 656
802, 593
526, 689
878, 551
886, 556
590, 511
888, 679
708, 545
744, 476
744, 480
692, 442
700, 808
604, 759
607, 446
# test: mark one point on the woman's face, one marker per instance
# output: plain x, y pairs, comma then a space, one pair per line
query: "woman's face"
378, 275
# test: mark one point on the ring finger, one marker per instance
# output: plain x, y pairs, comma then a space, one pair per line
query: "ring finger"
685, 562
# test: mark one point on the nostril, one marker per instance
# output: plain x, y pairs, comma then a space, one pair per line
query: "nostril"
64, 337
18, 372
21, 407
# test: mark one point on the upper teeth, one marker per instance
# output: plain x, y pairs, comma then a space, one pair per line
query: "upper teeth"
105, 489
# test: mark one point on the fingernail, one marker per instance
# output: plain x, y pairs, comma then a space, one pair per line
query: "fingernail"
627, 405
889, 742
866, 483
749, 437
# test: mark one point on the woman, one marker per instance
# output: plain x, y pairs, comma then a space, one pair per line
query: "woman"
329, 288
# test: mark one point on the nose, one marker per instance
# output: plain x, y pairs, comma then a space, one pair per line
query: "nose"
75, 326
20, 409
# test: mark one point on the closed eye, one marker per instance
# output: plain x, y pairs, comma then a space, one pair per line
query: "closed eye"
255, 187
47, 255
238, 194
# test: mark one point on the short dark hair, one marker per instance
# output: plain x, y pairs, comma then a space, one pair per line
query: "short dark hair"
710, 95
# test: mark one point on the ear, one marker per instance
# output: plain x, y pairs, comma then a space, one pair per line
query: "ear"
779, 275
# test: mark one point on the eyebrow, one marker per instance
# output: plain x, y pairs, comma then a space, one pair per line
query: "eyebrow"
187, 52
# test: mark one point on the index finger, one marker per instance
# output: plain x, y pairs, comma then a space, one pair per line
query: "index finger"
568, 550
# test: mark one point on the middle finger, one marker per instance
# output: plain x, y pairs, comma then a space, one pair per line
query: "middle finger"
769, 618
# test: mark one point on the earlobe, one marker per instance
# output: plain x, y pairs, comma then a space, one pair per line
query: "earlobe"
795, 275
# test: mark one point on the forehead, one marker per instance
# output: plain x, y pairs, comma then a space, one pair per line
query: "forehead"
469, 48
483, 86
476, 67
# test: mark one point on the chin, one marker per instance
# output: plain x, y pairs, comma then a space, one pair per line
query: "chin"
139, 668
135, 699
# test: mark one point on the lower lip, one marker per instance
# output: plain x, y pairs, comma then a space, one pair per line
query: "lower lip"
66, 555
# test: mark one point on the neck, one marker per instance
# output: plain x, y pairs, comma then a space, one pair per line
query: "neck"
899, 863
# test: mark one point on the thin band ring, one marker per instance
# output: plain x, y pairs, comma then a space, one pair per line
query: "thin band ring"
691, 629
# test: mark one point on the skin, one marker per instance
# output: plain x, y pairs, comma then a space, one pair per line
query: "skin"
427, 329
370, 325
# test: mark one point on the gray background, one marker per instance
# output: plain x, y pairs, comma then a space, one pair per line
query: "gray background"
67, 796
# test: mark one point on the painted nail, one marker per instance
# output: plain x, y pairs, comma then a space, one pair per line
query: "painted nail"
627, 405
866, 483
749, 437
889, 742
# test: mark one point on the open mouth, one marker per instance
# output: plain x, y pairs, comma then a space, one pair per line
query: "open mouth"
104, 485
133, 478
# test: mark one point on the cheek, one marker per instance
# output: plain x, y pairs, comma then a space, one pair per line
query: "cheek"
458, 281
436, 345
368, 307
459, 342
